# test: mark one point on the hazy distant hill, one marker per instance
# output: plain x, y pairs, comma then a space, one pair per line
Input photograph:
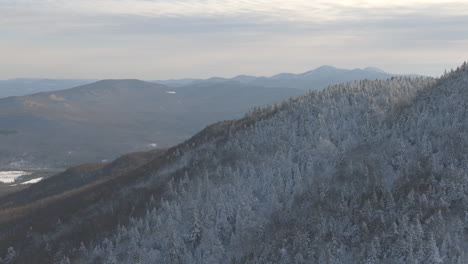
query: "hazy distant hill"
24, 86
315, 79
311, 80
107, 118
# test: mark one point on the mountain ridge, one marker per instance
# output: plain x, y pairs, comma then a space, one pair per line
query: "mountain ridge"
339, 175
327, 75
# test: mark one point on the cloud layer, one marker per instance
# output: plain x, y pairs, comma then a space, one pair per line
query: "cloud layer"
173, 38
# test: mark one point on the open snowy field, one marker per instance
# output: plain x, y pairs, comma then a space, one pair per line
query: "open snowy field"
11, 176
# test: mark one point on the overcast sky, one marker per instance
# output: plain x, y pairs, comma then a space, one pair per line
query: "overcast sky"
162, 39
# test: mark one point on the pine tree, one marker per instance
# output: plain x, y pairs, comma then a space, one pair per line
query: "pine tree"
432, 251
372, 255
196, 230
10, 256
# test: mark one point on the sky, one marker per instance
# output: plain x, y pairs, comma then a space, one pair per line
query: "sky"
165, 39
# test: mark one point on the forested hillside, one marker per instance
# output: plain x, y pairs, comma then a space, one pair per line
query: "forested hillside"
362, 172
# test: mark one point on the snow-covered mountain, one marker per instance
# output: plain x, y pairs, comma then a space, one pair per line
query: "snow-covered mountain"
361, 172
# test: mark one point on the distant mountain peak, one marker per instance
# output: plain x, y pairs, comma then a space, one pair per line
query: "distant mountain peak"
119, 83
244, 78
374, 69
326, 68
112, 81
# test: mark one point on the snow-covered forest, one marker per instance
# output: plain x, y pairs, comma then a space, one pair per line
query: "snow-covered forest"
372, 171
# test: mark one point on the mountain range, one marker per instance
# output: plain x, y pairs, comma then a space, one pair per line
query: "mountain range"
104, 119
370, 171
316, 79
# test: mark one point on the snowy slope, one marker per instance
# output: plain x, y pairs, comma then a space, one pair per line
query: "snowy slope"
363, 172
370, 171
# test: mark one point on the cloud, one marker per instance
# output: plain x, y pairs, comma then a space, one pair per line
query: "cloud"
164, 39
291, 10
192, 16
